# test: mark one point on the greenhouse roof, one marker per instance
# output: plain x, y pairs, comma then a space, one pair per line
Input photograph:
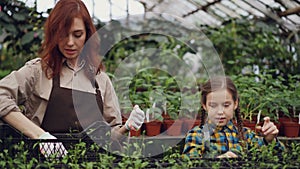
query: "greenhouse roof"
214, 12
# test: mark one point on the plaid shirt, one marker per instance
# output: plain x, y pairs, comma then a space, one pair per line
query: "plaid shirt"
211, 141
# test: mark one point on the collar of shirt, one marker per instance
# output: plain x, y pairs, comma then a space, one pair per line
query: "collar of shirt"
211, 127
75, 79
230, 126
70, 66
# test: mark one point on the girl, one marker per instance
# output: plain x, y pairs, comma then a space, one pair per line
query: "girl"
219, 137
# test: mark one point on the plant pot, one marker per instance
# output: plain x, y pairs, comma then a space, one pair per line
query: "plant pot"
153, 128
166, 116
134, 133
290, 128
249, 124
173, 127
188, 124
281, 129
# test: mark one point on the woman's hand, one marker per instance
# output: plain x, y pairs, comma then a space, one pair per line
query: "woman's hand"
228, 154
51, 148
268, 130
136, 119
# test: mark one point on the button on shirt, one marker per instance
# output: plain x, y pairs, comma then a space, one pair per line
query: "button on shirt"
75, 79
211, 141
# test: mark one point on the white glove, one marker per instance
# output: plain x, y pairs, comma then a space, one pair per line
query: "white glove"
136, 119
49, 148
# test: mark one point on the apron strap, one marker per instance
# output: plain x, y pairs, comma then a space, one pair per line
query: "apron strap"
99, 97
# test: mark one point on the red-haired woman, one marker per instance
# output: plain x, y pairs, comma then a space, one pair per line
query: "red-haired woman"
63, 90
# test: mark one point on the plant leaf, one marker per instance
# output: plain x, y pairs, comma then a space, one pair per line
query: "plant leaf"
27, 38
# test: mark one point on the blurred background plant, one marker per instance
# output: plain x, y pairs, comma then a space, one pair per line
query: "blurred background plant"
21, 34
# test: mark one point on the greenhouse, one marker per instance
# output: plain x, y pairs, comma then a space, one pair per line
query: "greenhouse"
150, 84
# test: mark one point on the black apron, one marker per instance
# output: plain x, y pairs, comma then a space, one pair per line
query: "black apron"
71, 111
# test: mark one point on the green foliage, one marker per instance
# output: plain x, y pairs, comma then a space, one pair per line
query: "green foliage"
249, 92
21, 27
19, 159
272, 96
155, 114
264, 157
241, 44
3, 73
244, 43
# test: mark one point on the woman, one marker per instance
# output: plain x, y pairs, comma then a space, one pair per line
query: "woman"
219, 137
63, 90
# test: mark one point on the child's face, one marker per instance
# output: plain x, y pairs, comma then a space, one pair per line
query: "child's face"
220, 107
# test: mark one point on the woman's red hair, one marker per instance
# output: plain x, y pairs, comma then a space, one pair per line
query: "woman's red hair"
57, 26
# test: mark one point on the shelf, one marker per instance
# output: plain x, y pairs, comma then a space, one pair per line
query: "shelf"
181, 137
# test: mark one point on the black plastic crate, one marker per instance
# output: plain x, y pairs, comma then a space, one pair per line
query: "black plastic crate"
97, 133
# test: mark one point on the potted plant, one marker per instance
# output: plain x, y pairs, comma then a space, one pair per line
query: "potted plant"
153, 122
250, 101
190, 109
279, 101
275, 100
172, 123
291, 122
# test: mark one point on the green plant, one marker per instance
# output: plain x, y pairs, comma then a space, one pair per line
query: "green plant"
22, 26
256, 157
293, 94
17, 156
249, 90
190, 103
155, 114
262, 92
173, 104
3, 73
255, 42
274, 95
133, 154
129, 162
76, 153
126, 107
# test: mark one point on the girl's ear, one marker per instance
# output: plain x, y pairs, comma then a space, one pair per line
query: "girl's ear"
204, 107
236, 103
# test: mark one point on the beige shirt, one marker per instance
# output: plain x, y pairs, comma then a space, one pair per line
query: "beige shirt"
28, 90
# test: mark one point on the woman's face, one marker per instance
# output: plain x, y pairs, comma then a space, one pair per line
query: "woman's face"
71, 45
220, 107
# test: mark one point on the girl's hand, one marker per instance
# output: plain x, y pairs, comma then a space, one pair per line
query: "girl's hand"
268, 130
228, 154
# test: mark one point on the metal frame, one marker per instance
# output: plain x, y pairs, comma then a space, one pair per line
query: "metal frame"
284, 12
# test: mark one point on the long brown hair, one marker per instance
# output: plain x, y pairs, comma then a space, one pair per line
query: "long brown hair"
56, 26
217, 83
